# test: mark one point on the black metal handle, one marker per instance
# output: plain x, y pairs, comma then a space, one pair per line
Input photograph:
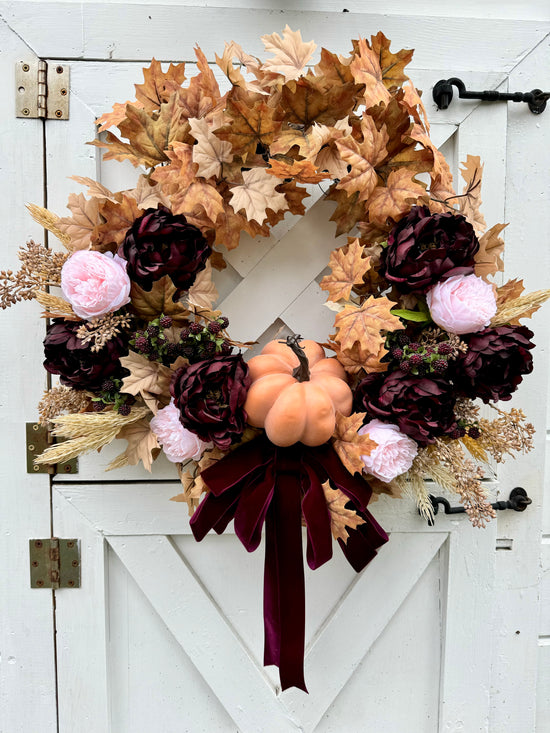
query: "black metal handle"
443, 94
518, 501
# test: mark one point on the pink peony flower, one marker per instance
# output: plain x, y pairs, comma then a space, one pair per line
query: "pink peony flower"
462, 304
394, 453
95, 283
178, 443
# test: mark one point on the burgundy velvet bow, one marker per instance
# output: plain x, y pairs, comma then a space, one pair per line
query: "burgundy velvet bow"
259, 482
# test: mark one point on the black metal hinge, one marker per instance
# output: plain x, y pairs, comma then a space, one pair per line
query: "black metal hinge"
54, 563
443, 94
518, 501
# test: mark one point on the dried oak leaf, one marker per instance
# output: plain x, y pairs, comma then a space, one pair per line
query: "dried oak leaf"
309, 99
142, 446
366, 70
252, 123
257, 194
363, 158
340, 517
210, 152
150, 304
291, 54
396, 198
303, 171
488, 259
84, 219
470, 203
203, 291
119, 217
348, 267
366, 325
158, 84
347, 442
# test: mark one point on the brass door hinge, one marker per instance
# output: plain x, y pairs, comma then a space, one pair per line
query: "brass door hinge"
54, 563
41, 90
38, 439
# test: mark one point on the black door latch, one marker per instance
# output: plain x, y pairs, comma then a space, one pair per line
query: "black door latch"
518, 501
443, 94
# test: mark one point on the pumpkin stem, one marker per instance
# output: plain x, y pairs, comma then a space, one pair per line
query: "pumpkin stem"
301, 373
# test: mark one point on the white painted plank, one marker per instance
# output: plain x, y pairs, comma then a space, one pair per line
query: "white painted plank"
404, 559
544, 628
177, 595
82, 670
27, 684
91, 31
543, 688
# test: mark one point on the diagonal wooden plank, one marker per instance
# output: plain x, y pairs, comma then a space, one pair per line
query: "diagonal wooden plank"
303, 253
358, 621
212, 647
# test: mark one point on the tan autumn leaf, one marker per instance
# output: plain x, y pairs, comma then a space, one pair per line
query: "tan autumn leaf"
210, 152
366, 325
488, 260
303, 171
203, 291
469, 204
396, 198
158, 84
348, 267
252, 123
414, 105
307, 100
84, 219
148, 195
347, 442
257, 194
178, 175
95, 189
202, 96
366, 70
149, 379
193, 488
232, 51
291, 54
392, 65
142, 446
348, 212
114, 118
340, 517
509, 291
363, 158
523, 307
149, 304
119, 217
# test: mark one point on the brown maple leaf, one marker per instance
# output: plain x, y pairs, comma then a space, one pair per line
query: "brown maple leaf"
291, 54
210, 152
142, 446
257, 194
348, 212
114, 118
149, 304
333, 69
119, 217
84, 219
392, 65
488, 258
233, 73
366, 325
348, 267
347, 442
366, 70
202, 96
303, 171
396, 198
470, 202
149, 379
252, 123
148, 195
340, 517
363, 158
307, 100
158, 84
203, 291
511, 290
95, 189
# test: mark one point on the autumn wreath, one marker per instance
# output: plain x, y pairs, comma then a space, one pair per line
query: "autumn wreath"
292, 436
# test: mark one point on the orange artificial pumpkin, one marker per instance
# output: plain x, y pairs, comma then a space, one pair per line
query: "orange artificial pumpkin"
295, 392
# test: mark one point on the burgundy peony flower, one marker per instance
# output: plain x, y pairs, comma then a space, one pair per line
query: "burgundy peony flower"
160, 243
494, 365
421, 407
425, 248
78, 365
210, 395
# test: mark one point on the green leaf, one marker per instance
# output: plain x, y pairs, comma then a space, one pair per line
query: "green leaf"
415, 316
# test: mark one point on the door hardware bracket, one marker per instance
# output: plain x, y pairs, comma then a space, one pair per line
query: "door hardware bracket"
518, 501
443, 94
54, 563
41, 90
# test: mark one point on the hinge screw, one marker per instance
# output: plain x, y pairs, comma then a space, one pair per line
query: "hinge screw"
34, 564
26, 112
38, 543
70, 544
25, 67
75, 563
70, 583
63, 92
39, 583
31, 447
36, 468
59, 69
58, 113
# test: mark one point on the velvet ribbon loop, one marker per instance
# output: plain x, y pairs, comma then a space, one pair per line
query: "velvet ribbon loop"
260, 483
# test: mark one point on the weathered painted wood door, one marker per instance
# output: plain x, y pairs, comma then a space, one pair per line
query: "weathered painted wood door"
166, 634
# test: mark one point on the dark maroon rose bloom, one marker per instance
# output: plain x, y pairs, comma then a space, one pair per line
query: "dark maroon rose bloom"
494, 365
160, 243
78, 365
425, 248
210, 395
422, 407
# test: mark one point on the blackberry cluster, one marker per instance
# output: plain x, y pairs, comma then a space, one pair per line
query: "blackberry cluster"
111, 396
418, 359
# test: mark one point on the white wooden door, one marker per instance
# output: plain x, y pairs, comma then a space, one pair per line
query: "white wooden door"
166, 634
